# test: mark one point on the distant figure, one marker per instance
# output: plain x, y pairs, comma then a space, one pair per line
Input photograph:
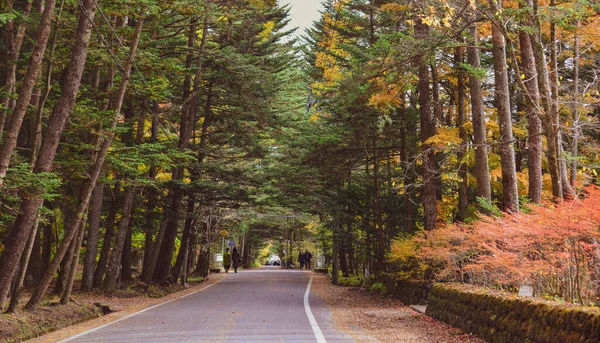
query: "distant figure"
235, 257
226, 260
307, 257
301, 259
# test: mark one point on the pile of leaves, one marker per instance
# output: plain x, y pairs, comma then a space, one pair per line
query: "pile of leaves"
554, 247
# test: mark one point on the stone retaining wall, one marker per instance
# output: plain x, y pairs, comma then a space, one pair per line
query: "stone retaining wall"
512, 319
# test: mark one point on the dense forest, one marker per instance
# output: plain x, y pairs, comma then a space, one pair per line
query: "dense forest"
451, 140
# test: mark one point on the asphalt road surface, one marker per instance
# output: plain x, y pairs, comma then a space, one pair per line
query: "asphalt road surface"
264, 305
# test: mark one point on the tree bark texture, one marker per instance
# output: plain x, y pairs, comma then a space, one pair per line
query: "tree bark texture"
91, 251
428, 129
185, 241
18, 285
510, 195
482, 168
155, 252
203, 265
13, 47
109, 283
534, 124
107, 240
188, 114
575, 117
15, 121
567, 191
126, 258
463, 200
22, 226
151, 202
73, 256
97, 166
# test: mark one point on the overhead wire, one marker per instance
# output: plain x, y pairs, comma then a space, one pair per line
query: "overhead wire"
154, 108
118, 40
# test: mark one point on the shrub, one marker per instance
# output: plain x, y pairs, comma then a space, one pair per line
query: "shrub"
350, 281
378, 287
555, 248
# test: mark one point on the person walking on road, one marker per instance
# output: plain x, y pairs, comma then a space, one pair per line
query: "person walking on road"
235, 257
226, 260
307, 257
301, 259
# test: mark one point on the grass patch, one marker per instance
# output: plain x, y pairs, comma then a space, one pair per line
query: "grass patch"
350, 281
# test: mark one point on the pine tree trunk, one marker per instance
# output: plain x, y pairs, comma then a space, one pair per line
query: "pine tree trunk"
46, 248
13, 51
73, 256
9, 141
91, 251
192, 110
428, 129
482, 169
185, 241
575, 111
155, 252
151, 202
34, 270
435, 93
510, 194
150, 225
18, 286
63, 266
343, 261
350, 250
380, 258
109, 283
16, 241
94, 172
163, 266
203, 265
246, 250
534, 151
107, 240
550, 121
463, 200
126, 265
567, 191
129, 141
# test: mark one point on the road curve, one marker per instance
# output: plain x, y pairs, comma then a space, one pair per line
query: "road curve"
264, 305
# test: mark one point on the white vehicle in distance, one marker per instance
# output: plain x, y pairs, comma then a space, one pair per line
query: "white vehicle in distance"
274, 260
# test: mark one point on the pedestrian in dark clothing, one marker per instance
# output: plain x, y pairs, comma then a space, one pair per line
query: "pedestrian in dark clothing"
226, 260
307, 257
235, 257
301, 259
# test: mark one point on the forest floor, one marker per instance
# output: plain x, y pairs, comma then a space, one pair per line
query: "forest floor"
372, 318
84, 307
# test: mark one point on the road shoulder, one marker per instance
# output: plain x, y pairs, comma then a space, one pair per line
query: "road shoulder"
372, 318
124, 311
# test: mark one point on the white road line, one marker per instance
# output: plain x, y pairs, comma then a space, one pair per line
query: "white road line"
131, 315
313, 322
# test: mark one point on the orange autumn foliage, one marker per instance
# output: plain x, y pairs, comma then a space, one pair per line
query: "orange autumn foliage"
555, 247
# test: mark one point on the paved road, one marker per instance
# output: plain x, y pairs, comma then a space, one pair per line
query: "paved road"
265, 305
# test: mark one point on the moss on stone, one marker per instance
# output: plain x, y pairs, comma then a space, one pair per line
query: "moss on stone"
512, 319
